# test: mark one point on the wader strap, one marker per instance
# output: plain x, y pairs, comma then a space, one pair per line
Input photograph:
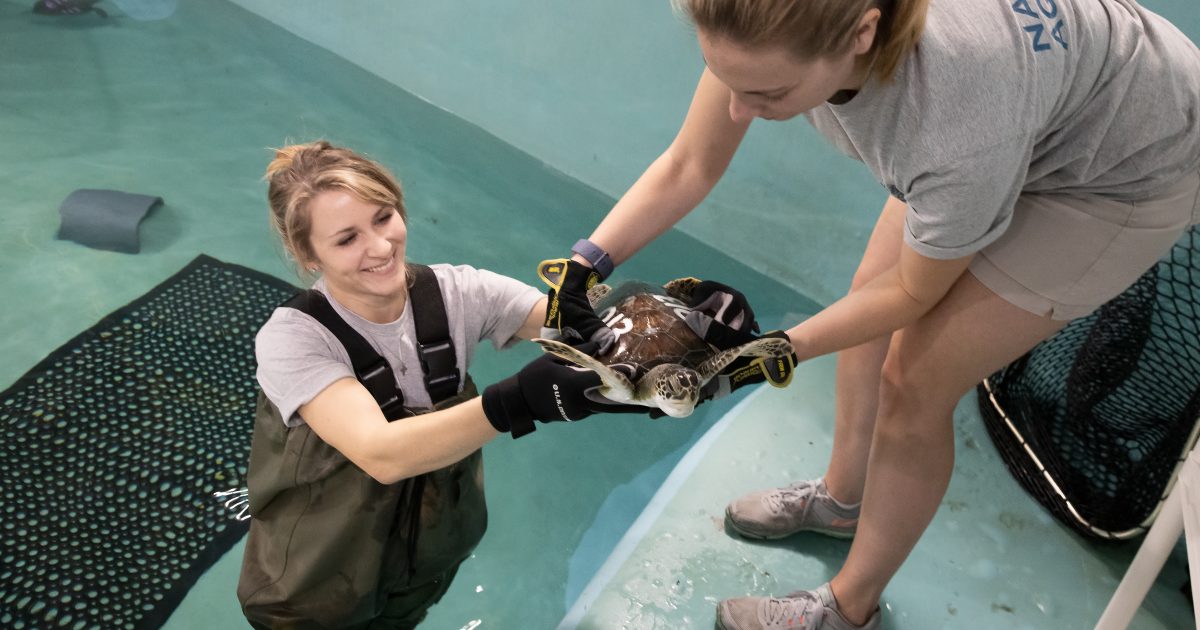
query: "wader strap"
434, 345
370, 369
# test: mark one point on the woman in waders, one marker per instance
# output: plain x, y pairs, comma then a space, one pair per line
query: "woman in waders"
359, 521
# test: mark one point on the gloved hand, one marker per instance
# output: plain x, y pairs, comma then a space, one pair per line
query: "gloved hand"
720, 313
751, 371
568, 311
548, 389
722, 316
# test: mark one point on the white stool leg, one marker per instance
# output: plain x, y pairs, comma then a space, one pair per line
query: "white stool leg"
1189, 478
1151, 556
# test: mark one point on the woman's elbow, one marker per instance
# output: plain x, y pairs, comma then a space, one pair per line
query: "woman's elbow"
387, 478
690, 171
384, 466
385, 472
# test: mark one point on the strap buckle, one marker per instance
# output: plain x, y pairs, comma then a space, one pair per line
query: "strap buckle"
380, 381
440, 367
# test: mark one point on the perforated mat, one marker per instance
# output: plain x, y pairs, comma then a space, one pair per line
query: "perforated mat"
113, 446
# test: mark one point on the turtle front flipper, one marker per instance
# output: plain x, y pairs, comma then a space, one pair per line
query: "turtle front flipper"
682, 288
616, 386
768, 347
598, 292
673, 388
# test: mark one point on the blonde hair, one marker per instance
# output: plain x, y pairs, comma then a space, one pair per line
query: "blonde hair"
300, 172
812, 29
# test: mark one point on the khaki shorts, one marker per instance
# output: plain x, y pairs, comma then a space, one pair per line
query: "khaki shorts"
1063, 256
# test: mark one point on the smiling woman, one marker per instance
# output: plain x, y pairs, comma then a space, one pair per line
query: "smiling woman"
300, 174
358, 246
376, 341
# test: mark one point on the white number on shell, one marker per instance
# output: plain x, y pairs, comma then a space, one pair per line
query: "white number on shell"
618, 322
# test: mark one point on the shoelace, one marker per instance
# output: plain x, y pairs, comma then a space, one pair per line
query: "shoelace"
799, 610
780, 500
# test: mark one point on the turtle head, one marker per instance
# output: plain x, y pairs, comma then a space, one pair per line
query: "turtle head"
677, 390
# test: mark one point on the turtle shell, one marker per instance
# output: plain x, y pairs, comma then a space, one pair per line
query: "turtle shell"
650, 330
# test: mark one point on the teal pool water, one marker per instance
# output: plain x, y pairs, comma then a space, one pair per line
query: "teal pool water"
187, 108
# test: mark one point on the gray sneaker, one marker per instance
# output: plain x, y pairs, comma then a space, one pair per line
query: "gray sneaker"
802, 610
802, 506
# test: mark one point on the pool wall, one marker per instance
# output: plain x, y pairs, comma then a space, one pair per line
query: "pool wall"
597, 90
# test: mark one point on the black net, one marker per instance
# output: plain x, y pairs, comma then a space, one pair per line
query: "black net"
1094, 421
114, 445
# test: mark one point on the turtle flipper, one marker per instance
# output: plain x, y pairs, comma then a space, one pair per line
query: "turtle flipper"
770, 347
617, 387
682, 288
598, 292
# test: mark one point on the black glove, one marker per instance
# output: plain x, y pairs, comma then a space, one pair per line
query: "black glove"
751, 371
568, 310
548, 389
720, 313
722, 316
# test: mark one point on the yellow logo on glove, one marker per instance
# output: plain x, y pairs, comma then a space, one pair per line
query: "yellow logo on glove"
552, 272
777, 370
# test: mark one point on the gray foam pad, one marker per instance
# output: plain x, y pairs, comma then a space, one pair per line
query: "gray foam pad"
104, 219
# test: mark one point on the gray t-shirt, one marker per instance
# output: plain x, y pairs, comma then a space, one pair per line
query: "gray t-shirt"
298, 357
1097, 97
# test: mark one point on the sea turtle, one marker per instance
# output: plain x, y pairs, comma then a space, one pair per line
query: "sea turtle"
656, 360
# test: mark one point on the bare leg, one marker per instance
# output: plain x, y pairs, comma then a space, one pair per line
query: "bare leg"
929, 366
857, 384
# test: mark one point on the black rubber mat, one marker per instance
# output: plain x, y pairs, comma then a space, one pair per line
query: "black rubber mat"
113, 447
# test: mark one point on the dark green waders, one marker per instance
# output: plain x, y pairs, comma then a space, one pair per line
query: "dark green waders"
331, 547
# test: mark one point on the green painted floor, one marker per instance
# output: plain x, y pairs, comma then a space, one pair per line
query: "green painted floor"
991, 559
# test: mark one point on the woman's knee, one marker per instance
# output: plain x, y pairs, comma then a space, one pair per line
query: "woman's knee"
911, 396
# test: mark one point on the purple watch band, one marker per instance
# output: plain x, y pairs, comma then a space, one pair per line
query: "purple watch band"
591, 252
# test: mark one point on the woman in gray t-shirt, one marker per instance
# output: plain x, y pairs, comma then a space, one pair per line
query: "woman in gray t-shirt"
1039, 156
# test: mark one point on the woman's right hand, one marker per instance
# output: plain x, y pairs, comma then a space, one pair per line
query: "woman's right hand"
548, 389
568, 311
